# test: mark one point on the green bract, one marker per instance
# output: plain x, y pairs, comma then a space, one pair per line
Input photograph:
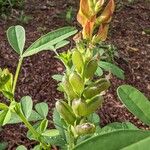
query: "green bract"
77, 60
66, 112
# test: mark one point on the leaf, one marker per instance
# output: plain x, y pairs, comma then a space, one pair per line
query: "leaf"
56, 140
21, 147
61, 44
26, 106
136, 102
3, 106
7, 94
6, 82
16, 38
51, 133
57, 77
37, 147
3, 145
42, 109
115, 70
33, 117
118, 140
36, 126
58, 124
49, 40
99, 71
117, 126
43, 125
94, 118
5, 117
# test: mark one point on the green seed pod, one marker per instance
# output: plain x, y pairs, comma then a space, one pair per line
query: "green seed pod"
91, 68
85, 128
77, 83
77, 60
100, 86
94, 103
68, 88
79, 107
65, 112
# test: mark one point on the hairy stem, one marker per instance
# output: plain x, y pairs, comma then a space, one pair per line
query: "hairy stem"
16, 75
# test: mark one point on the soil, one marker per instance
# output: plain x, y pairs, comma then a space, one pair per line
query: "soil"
36, 76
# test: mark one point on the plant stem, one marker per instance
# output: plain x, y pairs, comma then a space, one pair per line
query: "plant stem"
30, 127
16, 75
71, 139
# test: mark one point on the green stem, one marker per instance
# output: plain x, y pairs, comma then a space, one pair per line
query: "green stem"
30, 127
16, 75
71, 139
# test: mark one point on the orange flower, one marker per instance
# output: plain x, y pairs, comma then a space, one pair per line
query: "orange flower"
87, 17
102, 33
106, 15
89, 28
84, 12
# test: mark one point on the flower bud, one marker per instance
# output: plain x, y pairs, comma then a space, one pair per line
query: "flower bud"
68, 88
96, 89
79, 107
91, 68
98, 5
86, 128
77, 83
77, 61
106, 15
94, 103
65, 112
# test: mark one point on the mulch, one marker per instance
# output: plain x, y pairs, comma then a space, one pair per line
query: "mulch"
35, 79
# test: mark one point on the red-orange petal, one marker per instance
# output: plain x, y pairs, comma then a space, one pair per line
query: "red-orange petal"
102, 33
107, 13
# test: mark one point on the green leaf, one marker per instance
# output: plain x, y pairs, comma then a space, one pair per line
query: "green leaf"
33, 117
117, 126
61, 44
21, 147
26, 106
42, 109
99, 72
6, 83
56, 140
58, 124
115, 70
36, 126
3, 106
57, 77
49, 41
37, 147
43, 125
5, 117
51, 133
94, 118
118, 140
16, 38
3, 145
136, 102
